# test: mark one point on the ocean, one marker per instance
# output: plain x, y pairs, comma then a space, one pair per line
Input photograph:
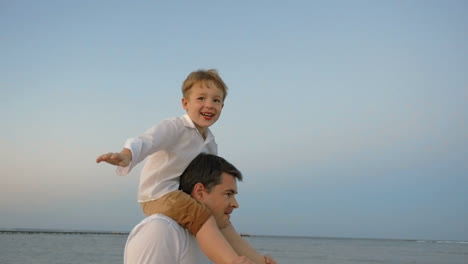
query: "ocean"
100, 248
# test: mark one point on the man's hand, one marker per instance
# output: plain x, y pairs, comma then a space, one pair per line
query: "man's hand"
119, 159
242, 260
269, 259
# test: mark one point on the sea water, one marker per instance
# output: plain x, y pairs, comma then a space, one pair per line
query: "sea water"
74, 248
346, 251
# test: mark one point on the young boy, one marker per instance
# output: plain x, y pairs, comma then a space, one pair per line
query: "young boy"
170, 146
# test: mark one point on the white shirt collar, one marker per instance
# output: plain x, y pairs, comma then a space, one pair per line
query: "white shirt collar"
188, 122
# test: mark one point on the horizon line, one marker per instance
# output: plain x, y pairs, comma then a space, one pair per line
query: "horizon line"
110, 232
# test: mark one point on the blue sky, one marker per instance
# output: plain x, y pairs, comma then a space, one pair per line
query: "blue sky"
347, 118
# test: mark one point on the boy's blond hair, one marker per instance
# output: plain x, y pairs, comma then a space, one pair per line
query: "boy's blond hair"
205, 76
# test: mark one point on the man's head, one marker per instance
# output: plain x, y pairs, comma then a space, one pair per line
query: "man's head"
212, 181
203, 97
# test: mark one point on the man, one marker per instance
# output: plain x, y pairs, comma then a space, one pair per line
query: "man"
212, 181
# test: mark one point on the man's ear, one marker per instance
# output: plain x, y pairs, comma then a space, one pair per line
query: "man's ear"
198, 191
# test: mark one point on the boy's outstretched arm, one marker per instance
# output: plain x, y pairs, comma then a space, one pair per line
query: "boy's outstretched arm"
122, 158
243, 248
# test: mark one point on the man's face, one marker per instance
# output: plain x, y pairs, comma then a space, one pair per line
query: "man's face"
221, 200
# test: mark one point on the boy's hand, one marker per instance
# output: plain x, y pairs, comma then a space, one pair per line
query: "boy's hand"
269, 259
119, 159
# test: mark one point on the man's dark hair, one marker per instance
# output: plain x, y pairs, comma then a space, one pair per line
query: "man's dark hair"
206, 169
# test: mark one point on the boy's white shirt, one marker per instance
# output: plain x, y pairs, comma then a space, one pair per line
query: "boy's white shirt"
170, 147
159, 239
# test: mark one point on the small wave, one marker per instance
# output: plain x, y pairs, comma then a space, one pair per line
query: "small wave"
442, 241
451, 242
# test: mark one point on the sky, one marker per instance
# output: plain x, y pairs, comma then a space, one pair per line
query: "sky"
347, 118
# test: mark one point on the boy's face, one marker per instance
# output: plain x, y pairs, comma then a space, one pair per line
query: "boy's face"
221, 199
203, 104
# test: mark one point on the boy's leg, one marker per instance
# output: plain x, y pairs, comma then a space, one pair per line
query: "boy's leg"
241, 246
214, 245
181, 207
196, 218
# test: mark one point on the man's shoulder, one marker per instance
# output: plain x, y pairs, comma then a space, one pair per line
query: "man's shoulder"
160, 239
158, 230
156, 239
156, 225
159, 219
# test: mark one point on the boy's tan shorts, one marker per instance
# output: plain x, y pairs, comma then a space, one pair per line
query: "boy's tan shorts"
188, 212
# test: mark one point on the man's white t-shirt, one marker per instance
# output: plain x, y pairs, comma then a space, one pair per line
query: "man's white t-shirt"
159, 239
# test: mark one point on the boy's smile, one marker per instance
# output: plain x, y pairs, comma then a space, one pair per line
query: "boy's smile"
208, 116
203, 104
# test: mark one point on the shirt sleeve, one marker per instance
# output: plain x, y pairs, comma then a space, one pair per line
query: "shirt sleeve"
157, 138
155, 242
